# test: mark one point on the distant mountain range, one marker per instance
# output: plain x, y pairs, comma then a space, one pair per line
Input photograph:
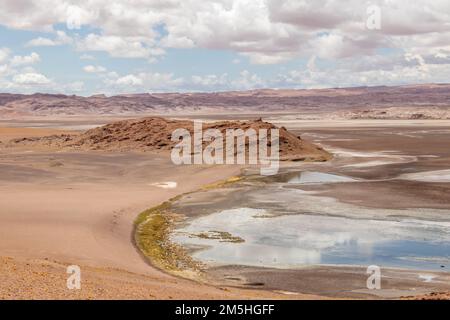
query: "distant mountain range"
412, 101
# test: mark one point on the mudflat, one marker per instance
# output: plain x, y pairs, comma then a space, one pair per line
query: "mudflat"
389, 178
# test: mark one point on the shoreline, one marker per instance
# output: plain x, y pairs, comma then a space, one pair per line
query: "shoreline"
404, 275
245, 276
154, 255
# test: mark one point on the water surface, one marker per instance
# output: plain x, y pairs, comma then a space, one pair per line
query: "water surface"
291, 241
318, 177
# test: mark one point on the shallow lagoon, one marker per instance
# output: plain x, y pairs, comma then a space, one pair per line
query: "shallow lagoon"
282, 226
296, 240
317, 177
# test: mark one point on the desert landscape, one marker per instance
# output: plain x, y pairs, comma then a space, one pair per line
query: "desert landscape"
61, 230
72, 196
262, 153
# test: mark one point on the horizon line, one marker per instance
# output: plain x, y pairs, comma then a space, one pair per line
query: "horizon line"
228, 91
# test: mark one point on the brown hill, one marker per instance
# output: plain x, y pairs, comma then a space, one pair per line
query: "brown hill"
154, 134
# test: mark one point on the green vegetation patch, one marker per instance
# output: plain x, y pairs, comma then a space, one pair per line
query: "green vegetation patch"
152, 235
152, 238
222, 236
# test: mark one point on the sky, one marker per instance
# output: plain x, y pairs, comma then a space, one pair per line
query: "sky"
87, 47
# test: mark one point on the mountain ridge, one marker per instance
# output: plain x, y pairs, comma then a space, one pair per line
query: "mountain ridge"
303, 101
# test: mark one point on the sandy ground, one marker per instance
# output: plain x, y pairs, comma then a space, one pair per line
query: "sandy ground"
342, 282
60, 209
13, 133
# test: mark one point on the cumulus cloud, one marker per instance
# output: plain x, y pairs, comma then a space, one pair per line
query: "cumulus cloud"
261, 31
266, 31
129, 80
60, 39
120, 47
143, 81
210, 80
94, 69
18, 75
5, 70
167, 82
31, 79
25, 60
397, 69
41, 42
76, 86
247, 80
4, 54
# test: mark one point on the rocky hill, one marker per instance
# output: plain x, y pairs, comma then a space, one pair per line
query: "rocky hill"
154, 134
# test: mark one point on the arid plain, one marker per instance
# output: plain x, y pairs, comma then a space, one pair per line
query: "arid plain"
65, 208
78, 207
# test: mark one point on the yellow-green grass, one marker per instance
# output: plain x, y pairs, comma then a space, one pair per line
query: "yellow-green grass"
152, 238
152, 231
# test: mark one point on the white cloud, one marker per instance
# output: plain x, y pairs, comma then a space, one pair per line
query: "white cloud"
4, 70
397, 69
167, 82
25, 60
41, 42
209, 81
4, 54
112, 75
76, 16
31, 79
142, 82
18, 75
94, 69
266, 31
129, 80
76, 86
177, 42
60, 39
263, 58
120, 47
247, 80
